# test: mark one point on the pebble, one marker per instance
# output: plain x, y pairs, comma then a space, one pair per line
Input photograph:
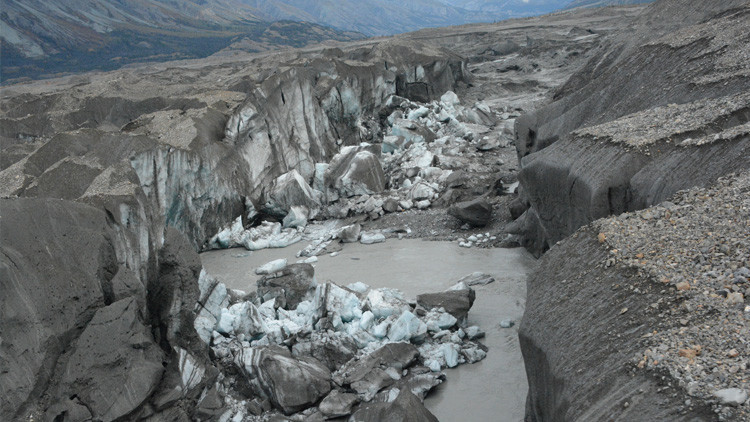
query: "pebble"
507, 323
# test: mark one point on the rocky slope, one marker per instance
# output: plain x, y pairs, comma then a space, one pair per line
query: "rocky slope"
628, 319
641, 316
615, 99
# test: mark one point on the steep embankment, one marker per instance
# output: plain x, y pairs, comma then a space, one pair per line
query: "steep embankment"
87, 211
642, 317
615, 327
702, 67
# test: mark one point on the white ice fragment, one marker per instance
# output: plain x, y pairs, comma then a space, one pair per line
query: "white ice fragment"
272, 267
405, 327
343, 303
268, 310
450, 99
450, 351
367, 320
385, 302
248, 320
422, 111
368, 238
437, 320
358, 287
433, 364
381, 330
226, 322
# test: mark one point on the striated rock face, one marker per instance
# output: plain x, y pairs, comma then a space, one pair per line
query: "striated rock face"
578, 335
114, 377
633, 146
60, 263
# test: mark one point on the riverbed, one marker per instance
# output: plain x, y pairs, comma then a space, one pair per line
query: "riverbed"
491, 390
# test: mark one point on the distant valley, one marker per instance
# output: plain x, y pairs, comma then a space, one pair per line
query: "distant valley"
46, 38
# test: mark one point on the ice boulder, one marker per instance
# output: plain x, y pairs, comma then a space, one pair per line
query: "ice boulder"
290, 286
271, 267
369, 238
342, 302
288, 190
356, 170
407, 328
297, 217
385, 302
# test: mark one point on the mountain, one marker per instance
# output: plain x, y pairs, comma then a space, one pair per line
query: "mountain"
384, 17
601, 3
515, 8
45, 37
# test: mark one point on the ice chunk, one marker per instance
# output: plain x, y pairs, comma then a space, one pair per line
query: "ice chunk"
406, 327
450, 351
358, 287
422, 111
381, 330
438, 319
272, 267
226, 322
385, 302
367, 320
433, 365
343, 303
248, 321
450, 99
369, 238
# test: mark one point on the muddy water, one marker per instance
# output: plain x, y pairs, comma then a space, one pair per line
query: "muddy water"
491, 390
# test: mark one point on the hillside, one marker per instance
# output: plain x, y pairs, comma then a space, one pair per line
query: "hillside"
601, 3
41, 38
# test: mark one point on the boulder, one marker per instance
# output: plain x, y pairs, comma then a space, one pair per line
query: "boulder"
421, 191
332, 349
288, 190
406, 408
392, 355
350, 234
171, 300
338, 404
291, 384
390, 205
457, 301
55, 256
356, 170
289, 287
477, 212
420, 381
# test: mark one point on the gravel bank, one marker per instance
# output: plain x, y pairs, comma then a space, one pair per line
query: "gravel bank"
697, 248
